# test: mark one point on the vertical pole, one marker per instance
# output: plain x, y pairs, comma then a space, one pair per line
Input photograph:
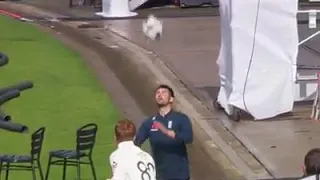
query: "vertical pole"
316, 104
70, 3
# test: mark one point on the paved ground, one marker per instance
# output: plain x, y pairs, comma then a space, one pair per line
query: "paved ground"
201, 167
194, 63
97, 54
78, 13
280, 145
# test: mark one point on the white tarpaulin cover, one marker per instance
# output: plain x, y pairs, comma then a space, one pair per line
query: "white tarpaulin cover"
258, 55
115, 9
134, 4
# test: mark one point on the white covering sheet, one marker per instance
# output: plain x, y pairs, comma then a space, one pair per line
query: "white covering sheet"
258, 55
134, 4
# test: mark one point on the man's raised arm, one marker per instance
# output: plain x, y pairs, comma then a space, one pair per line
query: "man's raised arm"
143, 134
185, 134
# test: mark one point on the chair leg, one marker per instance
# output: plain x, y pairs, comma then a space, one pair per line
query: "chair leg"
0, 168
40, 169
78, 169
64, 168
92, 168
33, 171
7, 170
48, 167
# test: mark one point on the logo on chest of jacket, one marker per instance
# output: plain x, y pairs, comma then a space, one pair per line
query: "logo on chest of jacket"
114, 164
169, 124
153, 127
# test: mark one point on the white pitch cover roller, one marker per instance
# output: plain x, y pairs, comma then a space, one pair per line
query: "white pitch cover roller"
116, 9
258, 56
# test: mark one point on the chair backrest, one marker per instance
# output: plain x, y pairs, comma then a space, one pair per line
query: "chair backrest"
86, 138
36, 142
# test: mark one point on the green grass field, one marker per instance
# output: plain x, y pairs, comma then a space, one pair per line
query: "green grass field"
65, 96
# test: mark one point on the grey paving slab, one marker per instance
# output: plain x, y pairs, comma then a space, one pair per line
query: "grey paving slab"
193, 61
279, 145
180, 43
190, 48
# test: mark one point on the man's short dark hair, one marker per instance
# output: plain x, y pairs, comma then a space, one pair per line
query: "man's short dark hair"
312, 162
164, 86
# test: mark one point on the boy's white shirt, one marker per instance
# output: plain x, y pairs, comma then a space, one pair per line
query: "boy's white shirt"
129, 162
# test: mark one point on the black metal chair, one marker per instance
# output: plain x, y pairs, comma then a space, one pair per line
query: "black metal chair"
85, 141
15, 162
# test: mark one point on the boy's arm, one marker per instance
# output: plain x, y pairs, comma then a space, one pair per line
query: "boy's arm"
118, 168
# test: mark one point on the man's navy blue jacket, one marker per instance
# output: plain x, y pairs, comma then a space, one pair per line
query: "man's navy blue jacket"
170, 155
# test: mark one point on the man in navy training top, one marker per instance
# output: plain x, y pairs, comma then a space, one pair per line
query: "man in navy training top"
169, 132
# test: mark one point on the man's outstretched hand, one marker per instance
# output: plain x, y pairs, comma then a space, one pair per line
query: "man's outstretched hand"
164, 130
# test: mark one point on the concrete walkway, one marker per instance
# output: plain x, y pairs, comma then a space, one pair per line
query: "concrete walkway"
189, 48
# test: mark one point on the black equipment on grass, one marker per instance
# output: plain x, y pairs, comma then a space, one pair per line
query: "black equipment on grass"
20, 87
8, 93
3, 59
5, 122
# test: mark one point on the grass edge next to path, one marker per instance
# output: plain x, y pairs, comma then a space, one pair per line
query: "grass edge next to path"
66, 95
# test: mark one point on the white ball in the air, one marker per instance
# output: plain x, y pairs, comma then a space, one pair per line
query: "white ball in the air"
152, 27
